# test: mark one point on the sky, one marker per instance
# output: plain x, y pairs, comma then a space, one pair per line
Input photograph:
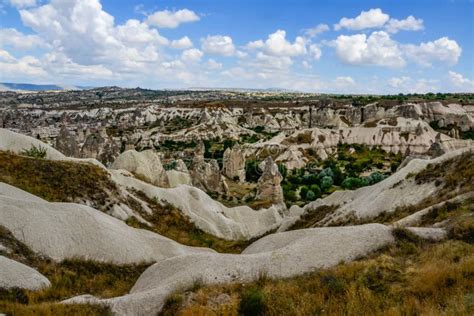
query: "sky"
363, 47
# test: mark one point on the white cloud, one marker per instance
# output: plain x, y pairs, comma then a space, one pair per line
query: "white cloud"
407, 84
255, 44
272, 62
409, 24
174, 64
22, 3
344, 81
171, 19
374, 18
182, 43
277, 45
377, 49
318, 29
461, 82
218, 45
441, 50
315, 51
25, 67
86, 34
399, 82
11, 37
213, 65
134, 31
306, 64
192, 55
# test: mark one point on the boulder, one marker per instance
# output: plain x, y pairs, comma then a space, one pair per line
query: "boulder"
268, 186
144, 164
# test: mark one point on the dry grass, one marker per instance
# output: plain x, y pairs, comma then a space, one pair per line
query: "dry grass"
410, 278
53, 309
68, 278
311, 218
58, 181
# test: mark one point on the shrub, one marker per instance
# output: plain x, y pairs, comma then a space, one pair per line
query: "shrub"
252, 302
252, 171
303, 191
310, 196
35, 152
316, 190
326, 183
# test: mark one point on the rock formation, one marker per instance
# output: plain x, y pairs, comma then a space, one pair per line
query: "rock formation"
14, 274
66, 143
145, 164
268, 187
234, 163
206, 175
100, 146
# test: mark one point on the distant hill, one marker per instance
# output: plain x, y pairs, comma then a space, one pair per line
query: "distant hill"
8, 86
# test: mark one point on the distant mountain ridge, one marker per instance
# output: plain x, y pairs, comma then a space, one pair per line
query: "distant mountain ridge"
9, 86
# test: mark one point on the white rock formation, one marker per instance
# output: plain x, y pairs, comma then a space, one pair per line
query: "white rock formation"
235, 223
14, 274
268, 186
278, 255
66, 230
398, 190
234, 163
145, 164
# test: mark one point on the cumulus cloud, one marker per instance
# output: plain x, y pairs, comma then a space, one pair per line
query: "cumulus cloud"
315, 51
192, 55
218, 45
277, 45
87, 35
409, 24
374, 18
272, 62
318, 29
407, 84
344, 81
255, 44
376, 49
441, 50
27, 66
11, 37
182, 43
171, 19
460, 81
211, 64
22, 3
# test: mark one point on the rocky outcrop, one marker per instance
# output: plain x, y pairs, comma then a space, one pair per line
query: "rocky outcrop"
69, 231
268, 186
144, 164
100, 146
234, 163
276, 256
66, 143
206, 175
14, 274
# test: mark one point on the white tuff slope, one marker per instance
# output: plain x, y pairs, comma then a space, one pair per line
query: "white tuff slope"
235, 223
68, 230
14, 274
398, 190
277, 255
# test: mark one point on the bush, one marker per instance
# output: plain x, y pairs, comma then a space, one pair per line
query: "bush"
252, 171
35, 152
252, 302
310, 196
316, 190
326, 183
290, 195
303, 191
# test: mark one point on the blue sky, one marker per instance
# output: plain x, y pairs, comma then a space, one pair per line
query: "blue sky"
317, 46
